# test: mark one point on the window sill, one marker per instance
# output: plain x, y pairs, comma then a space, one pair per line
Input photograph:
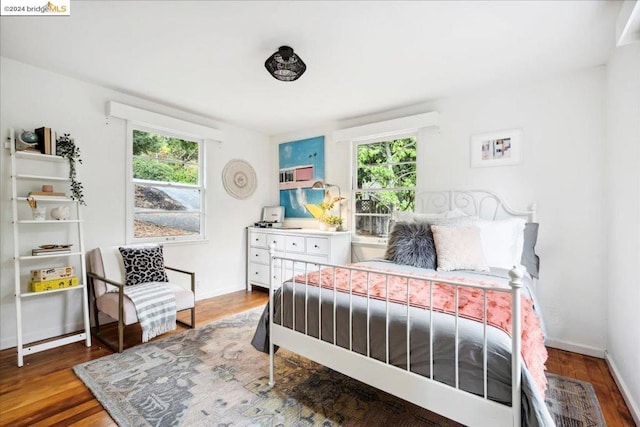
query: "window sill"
170, 242
371, 242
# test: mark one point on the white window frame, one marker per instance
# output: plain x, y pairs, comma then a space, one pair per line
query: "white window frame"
130, 183
354, 179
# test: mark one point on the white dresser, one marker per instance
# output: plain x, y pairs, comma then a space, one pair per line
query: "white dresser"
308, 245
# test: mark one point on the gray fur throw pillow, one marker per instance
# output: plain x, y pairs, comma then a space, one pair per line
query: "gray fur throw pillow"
411, 243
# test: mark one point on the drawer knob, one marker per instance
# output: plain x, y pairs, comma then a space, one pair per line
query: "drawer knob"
316, 246
294, 244
257, 273
257, 255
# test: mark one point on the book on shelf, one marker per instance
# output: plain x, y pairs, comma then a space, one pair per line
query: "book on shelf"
40, 134
41, 251
51, 285
47, 141
44, 274
44, 140
54, 143
47, 193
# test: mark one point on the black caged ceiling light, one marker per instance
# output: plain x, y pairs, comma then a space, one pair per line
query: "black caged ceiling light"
284, 65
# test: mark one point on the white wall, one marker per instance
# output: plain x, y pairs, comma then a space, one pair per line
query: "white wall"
562, 119
33, 97
623, 220
562, 171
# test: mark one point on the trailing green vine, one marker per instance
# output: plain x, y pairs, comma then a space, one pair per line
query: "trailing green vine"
67, 148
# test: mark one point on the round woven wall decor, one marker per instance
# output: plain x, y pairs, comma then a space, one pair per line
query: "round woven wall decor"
239, 179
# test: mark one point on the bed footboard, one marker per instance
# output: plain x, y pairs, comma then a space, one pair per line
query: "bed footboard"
315, 316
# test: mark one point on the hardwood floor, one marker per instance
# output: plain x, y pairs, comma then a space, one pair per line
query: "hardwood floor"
45, 391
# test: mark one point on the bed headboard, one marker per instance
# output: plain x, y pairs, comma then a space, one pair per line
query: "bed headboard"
482, 203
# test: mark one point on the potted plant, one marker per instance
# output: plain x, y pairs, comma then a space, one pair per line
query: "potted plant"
67, 148
332, 222
323, 212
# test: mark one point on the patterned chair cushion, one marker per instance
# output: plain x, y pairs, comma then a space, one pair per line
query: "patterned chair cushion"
143, 265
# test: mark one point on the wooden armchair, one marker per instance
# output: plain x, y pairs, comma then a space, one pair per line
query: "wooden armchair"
106, 279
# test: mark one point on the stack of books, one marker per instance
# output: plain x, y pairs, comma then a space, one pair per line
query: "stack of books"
48, 279
51, 250
46, 140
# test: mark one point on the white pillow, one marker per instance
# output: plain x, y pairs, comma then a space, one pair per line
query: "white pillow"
458, 248
502, 241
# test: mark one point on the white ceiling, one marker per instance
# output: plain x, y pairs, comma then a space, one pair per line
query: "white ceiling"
362, 57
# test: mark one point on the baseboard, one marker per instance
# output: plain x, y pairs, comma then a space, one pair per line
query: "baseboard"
633, 406
576, 348
219, 291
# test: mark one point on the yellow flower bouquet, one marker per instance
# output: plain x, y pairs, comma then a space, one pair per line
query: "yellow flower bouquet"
322, 211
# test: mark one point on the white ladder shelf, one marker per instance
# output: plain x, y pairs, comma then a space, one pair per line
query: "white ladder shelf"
22, 294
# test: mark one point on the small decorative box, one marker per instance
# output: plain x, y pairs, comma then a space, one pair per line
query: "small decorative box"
50, 285
45, 274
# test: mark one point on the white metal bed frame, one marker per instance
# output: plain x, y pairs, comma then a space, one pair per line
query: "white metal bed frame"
449, 401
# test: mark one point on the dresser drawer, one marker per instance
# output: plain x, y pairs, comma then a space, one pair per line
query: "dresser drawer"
259, 256
258, 240
259, 274
317, 246
294, 244
278, 239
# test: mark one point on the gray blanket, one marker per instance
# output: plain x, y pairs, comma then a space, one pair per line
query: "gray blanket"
155, 305
534, 410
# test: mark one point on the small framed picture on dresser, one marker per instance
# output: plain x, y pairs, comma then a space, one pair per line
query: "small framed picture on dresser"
500, 148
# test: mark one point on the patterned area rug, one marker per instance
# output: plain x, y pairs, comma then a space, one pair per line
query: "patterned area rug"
213, 376
573, 403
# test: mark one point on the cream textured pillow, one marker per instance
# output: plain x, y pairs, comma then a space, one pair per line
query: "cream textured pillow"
456, 221
458, 248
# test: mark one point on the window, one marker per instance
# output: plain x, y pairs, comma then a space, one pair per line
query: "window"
384, 181
166, 189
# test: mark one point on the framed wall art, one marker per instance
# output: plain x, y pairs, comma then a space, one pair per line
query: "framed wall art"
501, 148
301, 164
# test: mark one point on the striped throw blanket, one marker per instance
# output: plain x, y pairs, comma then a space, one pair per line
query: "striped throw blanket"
155, 306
